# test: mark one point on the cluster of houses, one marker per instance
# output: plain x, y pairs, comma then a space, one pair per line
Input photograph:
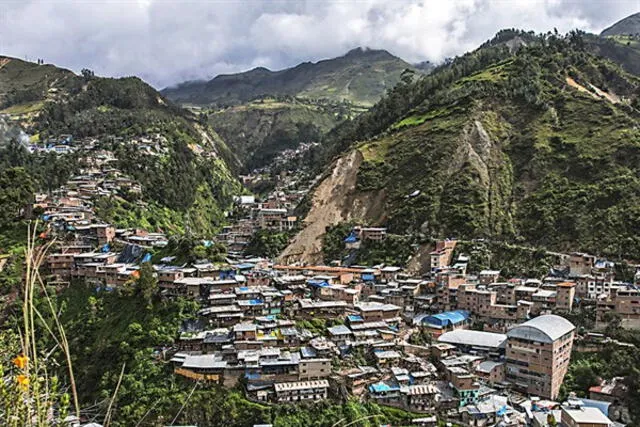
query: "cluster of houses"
497, 350
472, 348
274, 214
152, 144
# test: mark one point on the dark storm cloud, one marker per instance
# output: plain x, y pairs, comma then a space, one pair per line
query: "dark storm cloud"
165, 42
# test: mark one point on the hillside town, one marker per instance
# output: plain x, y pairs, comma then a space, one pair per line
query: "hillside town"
473, 349
445, 240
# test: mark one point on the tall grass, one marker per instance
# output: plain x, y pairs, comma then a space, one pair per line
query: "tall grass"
30, 393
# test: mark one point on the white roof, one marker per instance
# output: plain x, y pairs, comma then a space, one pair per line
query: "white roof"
474, 338
588, 416
487, 366
203, 361
546, 329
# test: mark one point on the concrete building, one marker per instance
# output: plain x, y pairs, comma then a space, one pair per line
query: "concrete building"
301, 391
624, 302
584, 417
538, 353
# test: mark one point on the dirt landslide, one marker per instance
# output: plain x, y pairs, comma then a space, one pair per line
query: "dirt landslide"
335, 200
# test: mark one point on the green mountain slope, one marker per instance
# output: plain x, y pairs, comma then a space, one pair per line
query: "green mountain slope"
115, 111
261, 129
360, 77
541, 146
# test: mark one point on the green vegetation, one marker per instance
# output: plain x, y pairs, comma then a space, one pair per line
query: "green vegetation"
588, 369
260, 130
267, 243
511, 259
498, 145
394, 250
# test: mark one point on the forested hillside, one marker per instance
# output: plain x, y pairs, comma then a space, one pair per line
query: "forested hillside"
261, 129
538, 144
49, 102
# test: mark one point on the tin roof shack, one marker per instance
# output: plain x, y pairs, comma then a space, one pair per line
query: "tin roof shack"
612, 391
204, 367
321, 309
359, 378
491, 372
476, 342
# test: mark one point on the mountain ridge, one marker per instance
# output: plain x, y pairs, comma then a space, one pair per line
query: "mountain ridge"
374, 71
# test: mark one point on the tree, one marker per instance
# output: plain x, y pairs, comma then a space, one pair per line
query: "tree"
16, 192
87, 74
146, 285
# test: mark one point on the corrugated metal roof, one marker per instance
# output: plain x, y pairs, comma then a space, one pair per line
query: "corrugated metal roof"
474, 338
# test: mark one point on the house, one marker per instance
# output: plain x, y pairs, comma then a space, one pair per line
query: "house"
440, 323
490, 371
301, 391
581, 416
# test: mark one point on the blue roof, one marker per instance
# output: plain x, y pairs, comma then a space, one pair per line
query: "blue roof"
382, 387
255, 302
318, 283
599, 404
448, 318
244, 288
355, 318
245, 266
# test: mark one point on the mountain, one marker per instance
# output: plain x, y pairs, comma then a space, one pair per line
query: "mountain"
360, 77
48, 102
626, 26
539, 146
619, 43
259, 130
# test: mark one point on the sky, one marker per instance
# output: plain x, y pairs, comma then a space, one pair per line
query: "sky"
166, 42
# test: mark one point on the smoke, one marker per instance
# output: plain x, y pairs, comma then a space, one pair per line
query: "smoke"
11, 132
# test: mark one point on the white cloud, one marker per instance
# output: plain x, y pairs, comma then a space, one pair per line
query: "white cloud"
165, 42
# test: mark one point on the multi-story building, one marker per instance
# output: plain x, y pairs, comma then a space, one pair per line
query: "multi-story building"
538, 353
442, 254
301, 391
565, 293
581, 263
623, 302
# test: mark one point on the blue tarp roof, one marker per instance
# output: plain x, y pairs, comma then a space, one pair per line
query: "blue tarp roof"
355, 318
255, 302
382, 387
318, 283
447, 318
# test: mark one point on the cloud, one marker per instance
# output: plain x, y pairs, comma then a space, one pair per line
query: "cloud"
166, 42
